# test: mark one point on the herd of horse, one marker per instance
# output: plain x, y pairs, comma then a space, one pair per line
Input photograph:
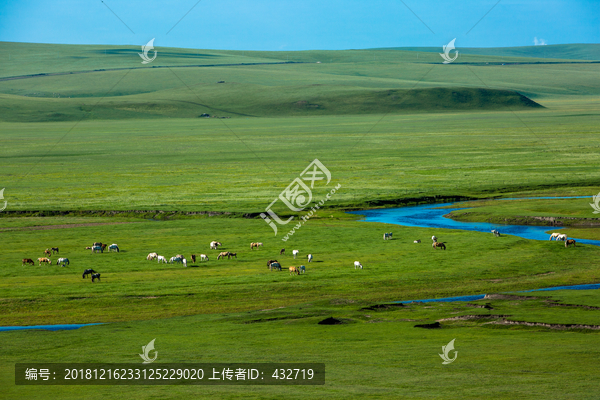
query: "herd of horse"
96, 247
214, 245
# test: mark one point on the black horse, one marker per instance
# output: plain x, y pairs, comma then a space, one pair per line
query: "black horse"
87, 272
95, 276
54, 249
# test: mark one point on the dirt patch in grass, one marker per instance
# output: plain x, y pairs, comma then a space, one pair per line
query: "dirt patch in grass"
546, 325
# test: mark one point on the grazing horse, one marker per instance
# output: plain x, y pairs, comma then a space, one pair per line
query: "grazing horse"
387, 236
203, 257
435, 245
88, 248
434, 239
282, 252
113, 247
97, 244
63, 261
570, 242
357, 265
294, 270
161, 258
302, 270
562, 237
232, 255
87, 272
193, 257
27, 261
496, 233
184, 261
253, 245
97, 249
47, 252
223, 254
175, 259
95, 276
104, 245
270, 262
555, 235
417, 241
295, 253
310, 257
54, 249
44, 260
214, 245
151, 256
275, 265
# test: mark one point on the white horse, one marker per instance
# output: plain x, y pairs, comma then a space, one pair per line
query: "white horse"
554, 235
434, 239
184, 261
63, 261
387, 236
562, 237
295, 252
151, 256
113, 247
310, 257
357, 265
417, 241
175, 259
495, 232
161, 258
203, 257
214, 245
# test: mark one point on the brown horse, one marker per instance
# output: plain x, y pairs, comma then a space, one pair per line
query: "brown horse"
294, 270
570, 242
47, 252
103, 248
442, 246
282, 252
223, 254
253, 245
28, 261
193, 257
271, 262
44, 260
232, 255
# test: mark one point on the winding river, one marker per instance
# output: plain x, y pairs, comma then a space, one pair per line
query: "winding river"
432, 216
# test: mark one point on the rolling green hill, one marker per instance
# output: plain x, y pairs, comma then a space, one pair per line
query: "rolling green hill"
109, 82
557, 51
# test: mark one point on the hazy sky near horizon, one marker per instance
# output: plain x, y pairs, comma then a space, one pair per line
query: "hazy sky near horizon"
301, 24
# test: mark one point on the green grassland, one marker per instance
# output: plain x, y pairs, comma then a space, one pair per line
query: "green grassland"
392, 128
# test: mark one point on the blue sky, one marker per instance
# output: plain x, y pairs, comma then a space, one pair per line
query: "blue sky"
301, 24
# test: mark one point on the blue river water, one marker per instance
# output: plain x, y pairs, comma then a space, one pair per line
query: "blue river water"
432, 216
61, 327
